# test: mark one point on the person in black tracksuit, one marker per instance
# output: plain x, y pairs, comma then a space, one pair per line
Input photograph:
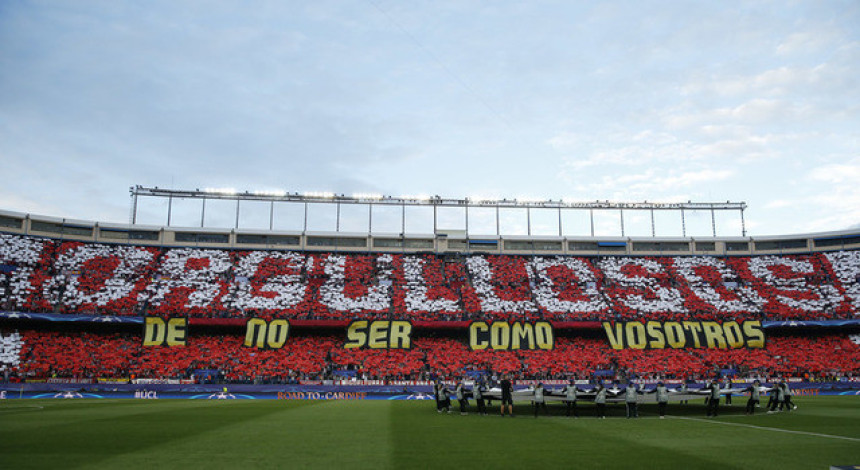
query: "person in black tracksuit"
436, 386
507, 395
772, 398
478, 394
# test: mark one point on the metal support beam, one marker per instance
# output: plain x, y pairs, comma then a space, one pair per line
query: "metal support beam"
305, 226
134, 209
592, 221
683, 224
169, 209
713, 223
559, 222
653, 231
238, 201
529, 221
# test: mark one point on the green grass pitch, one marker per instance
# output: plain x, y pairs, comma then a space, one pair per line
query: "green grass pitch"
824, 431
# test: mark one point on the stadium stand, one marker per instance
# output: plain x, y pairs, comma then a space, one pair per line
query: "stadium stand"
40, 275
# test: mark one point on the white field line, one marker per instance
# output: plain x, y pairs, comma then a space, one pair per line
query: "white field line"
829, 436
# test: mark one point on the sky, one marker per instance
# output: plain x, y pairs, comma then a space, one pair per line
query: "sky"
755, 101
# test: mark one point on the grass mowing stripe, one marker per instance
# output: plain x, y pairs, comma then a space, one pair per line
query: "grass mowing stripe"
291, 434
831, 436
266, 438
66, 440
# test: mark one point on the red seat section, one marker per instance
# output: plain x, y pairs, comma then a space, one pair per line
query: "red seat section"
81, 354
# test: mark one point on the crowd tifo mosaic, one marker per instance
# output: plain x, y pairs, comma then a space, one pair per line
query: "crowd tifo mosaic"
44, 275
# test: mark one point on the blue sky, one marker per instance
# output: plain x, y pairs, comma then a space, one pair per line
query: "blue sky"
626, 101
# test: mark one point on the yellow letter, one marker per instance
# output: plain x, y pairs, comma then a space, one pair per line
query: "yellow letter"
476, 330
521, 331
378, 337
616, 338
154, 331
400, 335
734, 337
695, 328
255, 333
754, 334
675, 334
714, 334
355, 335
655, 333
636, 335
500, 335
544, 335
176, 332
279, 330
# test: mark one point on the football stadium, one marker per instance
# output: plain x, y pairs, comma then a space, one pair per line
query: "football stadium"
124, 341
430, 234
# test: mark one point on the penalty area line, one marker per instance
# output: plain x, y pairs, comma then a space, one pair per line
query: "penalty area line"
752, 426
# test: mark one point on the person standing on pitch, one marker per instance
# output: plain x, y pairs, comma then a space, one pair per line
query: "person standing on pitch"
539, 400
728, 385
780, 397
478, 393
442, 397
772, 398
437, 395
683, 389
570, 398
461, 397
789, 405
713, 398
507, 395
662, 399
755, 397
630, 397
600, 401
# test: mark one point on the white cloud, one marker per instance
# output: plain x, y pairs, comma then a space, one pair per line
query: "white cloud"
654, 184
838, 173
803, 42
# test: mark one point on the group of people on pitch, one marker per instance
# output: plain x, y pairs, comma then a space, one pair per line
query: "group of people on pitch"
443, 398
780, 396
